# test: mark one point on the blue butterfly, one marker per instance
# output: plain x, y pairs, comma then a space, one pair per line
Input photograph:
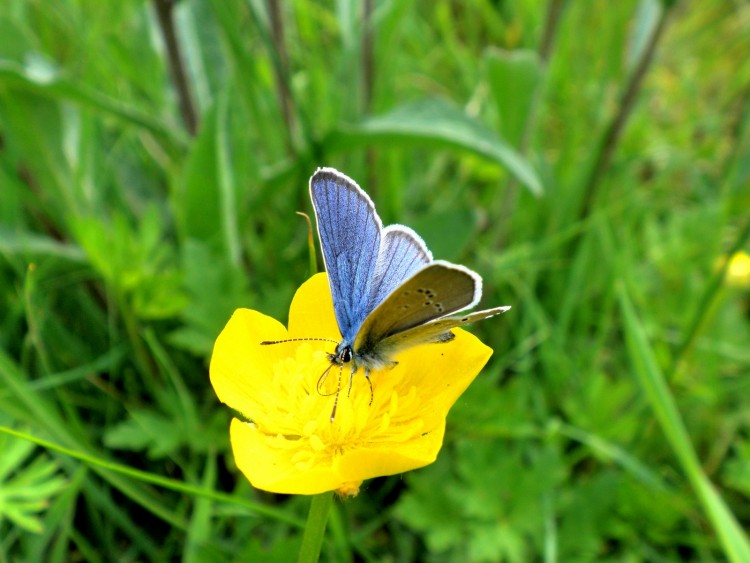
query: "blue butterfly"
388, 293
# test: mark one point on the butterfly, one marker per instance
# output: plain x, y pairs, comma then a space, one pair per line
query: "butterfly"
388, 292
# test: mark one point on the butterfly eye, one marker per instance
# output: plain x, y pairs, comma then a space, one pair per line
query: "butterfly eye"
346, 355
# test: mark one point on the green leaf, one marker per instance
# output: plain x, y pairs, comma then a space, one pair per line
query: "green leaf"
649, 375
426, 507
514, 77
435, 122
206, 205
737, 472
198, 201
215, 289
26, 483
646, 18
460, 222
200, 529
145, 430
28, 244
491, 490
41, 77
134, 260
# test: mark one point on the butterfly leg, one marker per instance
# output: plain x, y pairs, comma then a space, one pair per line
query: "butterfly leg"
372, 395
367, 377
369, 381
351, 380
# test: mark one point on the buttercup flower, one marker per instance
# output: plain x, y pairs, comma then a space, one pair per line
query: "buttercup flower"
738, 271
288, 443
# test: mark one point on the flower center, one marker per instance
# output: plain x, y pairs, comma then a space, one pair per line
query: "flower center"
296, 408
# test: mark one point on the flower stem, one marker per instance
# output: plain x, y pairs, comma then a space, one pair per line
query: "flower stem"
616, 126
177, 70
315, 530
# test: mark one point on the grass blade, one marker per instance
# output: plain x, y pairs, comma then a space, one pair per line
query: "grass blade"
649, 375
54, 86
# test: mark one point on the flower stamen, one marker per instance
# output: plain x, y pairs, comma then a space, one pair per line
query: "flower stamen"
291, 445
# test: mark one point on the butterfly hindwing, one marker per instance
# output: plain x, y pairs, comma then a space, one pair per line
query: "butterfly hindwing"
435, 291
433, 331
350, 234
402, 253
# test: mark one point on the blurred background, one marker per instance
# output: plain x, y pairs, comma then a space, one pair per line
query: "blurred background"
591, 163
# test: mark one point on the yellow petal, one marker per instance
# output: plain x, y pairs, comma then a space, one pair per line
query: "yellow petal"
240, 367
311, 313
738, 272
392, 458
266, 469
443, 371
292, 446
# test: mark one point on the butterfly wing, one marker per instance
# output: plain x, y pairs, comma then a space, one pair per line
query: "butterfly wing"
435, 291
402, 253
434, 331
387, 292
350, 235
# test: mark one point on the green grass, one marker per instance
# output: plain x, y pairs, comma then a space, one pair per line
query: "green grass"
590, 164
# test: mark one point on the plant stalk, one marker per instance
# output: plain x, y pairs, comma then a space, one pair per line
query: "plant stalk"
312, 539
176, 65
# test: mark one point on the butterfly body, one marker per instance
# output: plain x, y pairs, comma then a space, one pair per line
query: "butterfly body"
388, 292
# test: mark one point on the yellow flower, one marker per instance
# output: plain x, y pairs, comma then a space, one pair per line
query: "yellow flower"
288, 443
738, 271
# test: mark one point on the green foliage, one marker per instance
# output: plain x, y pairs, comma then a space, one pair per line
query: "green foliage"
487, 507
432, 122
26, 485
134, 262
514, 77
596, 183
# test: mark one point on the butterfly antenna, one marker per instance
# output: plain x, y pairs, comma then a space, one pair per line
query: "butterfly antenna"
267, 342
336, 399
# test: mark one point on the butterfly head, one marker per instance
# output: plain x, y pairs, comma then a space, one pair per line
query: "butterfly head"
343, 354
